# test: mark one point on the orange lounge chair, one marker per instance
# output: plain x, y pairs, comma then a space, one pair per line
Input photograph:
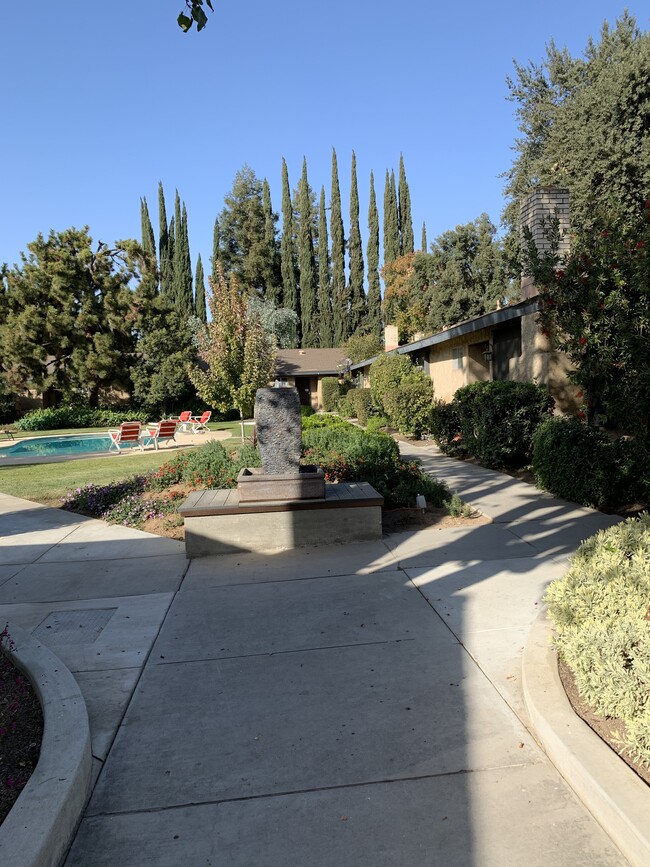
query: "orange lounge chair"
201, 423
162, 431
129, 433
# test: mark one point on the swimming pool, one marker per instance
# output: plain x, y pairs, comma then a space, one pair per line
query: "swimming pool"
65, 446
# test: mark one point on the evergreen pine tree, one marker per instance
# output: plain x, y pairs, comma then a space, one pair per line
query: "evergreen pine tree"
357, 294
308, 306
324, 278
272, 285
372, 252
391, 226
340, 299
199, 291
163, 245
407, 241
424, 237
290, 299
215, 249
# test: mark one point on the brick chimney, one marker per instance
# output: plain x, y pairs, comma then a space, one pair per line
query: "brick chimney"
537, 209
391, 340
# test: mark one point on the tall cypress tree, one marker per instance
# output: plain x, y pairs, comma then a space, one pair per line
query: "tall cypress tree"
178, 269
324, 279
407, 241
148, 239
163, 244
215, 248
391, 225
424, 238
308, 305
357, 294
199, 291
372, 252
186, 307
272, 287
290, 297
340, 299
171, 246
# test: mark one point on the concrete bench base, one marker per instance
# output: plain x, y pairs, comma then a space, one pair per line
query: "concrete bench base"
217, 523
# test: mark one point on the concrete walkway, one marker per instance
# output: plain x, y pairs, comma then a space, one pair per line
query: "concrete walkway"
356, 705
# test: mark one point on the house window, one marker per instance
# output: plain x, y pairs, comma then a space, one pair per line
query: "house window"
458, 355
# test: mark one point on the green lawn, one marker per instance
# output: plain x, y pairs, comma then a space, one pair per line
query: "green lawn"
48, 482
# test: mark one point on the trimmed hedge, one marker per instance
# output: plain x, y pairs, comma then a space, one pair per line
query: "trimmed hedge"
492, 421
77, 416
577, 462
355, 455
330, 392
600, 610
402, 393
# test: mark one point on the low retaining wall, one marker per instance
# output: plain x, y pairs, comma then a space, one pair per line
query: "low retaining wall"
216, 522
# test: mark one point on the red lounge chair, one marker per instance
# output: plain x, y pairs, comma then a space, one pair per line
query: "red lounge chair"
199, 424
184, 419
128, 433
162, 431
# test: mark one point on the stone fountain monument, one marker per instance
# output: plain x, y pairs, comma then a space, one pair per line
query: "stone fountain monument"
282, 504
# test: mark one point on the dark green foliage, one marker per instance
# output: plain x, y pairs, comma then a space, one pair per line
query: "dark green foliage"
391, 221
361, 401
411, 405
595, 307
496, 421
270, 254
245, 247
362, 345
386, 374
290, 298
307, 264
374, 322
584, 124
322, 420
199, 292
326, 326
358, 309
164, 257
148, 239
579, 463
196, 14
423, 244
211, 465
402, 393
77, 417
306, 411
355, 455
445, 428
407, 241
331, 392
340, 297
65, 317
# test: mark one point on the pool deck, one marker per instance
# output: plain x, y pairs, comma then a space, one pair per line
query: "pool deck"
183, 440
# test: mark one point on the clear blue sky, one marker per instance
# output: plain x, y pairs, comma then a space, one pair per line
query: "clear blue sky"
101, 100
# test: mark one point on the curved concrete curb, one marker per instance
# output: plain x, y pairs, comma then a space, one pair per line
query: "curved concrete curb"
615, 795
41, 824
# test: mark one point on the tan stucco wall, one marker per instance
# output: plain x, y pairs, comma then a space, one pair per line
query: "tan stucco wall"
446, 379
540, 363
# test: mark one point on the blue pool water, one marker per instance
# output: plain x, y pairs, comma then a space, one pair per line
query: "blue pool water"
43, 447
